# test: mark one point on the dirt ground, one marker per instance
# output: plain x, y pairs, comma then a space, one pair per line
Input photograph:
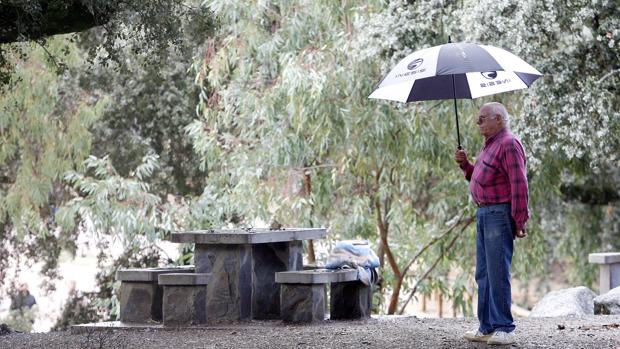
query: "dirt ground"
378, 332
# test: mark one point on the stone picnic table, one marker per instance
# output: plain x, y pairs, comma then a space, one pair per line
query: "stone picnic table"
242, 264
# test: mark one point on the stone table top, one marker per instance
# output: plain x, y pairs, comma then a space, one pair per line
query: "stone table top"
247, 236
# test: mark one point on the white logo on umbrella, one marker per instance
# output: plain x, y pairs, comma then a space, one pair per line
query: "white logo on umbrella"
415, 63
489, 74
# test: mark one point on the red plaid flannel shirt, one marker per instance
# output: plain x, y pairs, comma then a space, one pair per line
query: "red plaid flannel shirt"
499, 175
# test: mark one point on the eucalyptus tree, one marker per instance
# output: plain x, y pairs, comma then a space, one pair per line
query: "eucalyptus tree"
288, 130
157, 24
150, 104
97, 149
45, 133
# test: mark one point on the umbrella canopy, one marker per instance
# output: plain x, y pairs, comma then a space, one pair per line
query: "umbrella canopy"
455, 71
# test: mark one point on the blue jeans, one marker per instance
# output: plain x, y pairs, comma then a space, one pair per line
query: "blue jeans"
494, 246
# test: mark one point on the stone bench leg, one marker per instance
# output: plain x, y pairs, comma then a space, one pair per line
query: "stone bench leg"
140, 302
609, 269
350, 300
609, 277
302, 302
185, 305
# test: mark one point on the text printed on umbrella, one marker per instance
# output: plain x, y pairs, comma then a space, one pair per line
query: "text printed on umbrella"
493, 83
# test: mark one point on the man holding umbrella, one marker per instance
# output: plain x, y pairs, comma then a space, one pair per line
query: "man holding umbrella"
498, 185
498, 180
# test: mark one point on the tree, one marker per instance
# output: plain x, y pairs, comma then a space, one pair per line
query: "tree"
156, 24
52, 190
151, 103
44, 134
304, 115
32, 20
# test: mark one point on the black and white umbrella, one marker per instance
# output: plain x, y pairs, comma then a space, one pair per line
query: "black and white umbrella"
455, 71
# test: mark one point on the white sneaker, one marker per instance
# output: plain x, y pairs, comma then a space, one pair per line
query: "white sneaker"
476, 336
501, 338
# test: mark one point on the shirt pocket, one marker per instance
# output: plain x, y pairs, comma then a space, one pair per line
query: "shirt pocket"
490, 173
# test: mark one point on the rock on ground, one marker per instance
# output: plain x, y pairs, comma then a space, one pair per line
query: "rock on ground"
589, 332
574, 301
608, 303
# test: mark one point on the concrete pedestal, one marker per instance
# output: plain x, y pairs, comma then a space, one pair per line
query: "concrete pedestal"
140, 302
184, 299
243, 285
302, 303
350, 300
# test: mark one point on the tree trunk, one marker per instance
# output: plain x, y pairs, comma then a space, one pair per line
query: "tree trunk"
381, 253
307, 191
395, 294
440, 305
383, 228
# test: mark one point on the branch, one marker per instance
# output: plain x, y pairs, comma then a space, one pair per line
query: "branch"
378, 176
387, 206
311, 167
431, 268
615, 71
392, 179
434, 240
59, 66
18, 24
162, 250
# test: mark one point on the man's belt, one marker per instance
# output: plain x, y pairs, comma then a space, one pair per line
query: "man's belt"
484, 204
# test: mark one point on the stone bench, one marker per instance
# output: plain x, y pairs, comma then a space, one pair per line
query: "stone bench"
185, 298
140, 295
303, 295
609, 269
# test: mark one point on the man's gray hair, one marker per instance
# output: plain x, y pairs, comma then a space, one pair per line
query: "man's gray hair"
499, 109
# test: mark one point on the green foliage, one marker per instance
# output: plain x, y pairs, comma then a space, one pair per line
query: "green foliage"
304, 141
280, 127
77, 310
21, 319
44, 133
113, 205
156, 24
52, 191
150, 104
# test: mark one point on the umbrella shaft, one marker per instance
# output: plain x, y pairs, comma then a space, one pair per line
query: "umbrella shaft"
456, 113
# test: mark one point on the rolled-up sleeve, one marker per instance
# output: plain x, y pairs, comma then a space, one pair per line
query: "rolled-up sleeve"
514, 164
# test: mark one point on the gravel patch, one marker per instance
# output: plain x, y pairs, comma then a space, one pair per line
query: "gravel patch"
588, 332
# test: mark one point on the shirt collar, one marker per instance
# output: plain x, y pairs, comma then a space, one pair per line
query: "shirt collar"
492, 139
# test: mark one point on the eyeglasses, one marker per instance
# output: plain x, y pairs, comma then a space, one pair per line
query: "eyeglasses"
482, 118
